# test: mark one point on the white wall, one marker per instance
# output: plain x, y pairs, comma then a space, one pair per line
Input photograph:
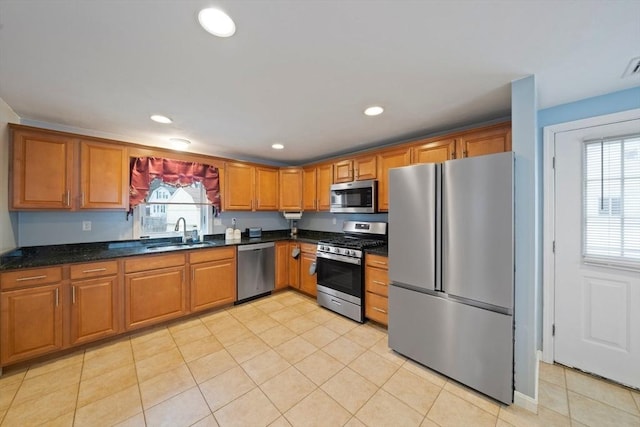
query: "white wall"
527, 238
8, 220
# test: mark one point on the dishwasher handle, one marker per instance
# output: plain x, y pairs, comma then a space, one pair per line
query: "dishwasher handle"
256, 246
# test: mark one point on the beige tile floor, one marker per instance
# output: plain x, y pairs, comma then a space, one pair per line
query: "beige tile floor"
281, 361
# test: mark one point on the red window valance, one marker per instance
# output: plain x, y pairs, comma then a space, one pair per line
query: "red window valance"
173, 172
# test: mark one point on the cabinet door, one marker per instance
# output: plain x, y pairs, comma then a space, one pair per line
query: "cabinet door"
31, 322
42, 171
387, 160
308, 283
104, 176
94, 309
213, 284
282, 265
488, 141
323, 191
343, 171
154, 296
266, 189
309, 187
434, 152
290, 189
238, 187
365, 168
294, 267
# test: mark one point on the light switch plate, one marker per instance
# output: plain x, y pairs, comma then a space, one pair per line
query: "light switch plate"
217, 221
86, 225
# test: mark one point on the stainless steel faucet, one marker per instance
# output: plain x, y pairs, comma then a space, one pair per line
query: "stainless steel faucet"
184, 222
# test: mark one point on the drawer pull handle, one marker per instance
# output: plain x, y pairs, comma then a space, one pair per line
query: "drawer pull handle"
380, 310
379, 283
335, 302
23, 279
94, 270
380, 262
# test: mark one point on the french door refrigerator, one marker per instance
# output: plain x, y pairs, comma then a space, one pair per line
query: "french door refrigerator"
451, 268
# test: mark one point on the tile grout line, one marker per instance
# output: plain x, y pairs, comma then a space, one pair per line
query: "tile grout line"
135, 367
75, 407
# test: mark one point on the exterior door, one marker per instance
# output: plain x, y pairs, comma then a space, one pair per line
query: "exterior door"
596, 316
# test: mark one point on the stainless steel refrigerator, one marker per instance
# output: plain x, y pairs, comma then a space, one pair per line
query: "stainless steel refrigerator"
451, 267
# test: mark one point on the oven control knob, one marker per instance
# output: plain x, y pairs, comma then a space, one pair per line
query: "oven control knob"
337, 250
352, 253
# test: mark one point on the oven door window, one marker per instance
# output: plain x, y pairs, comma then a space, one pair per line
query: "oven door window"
341, 276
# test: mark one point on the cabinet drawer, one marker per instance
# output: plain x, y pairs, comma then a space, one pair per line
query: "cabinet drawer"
30, 277
377, 281
93, 269
378, 261
205, 255
376, 308
308, 247
153, 262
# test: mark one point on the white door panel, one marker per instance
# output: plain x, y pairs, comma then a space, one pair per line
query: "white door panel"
597, 308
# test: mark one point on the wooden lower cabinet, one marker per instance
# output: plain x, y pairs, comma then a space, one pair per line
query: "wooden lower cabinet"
376, 278
156, 294
30, 322
95, 308
282, 265
308, 282
213, 278
294, 266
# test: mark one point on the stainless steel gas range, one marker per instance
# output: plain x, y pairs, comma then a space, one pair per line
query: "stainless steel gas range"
340, 267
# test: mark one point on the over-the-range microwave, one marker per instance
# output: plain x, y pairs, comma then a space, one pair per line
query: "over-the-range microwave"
354, 197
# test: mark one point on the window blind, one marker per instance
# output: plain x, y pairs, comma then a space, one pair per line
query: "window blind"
611, 201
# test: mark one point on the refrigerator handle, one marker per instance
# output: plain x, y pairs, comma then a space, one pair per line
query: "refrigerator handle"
438, 217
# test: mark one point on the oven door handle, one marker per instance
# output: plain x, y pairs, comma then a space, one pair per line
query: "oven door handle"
340, 258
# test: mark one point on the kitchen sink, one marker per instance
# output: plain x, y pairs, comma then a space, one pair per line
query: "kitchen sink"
163, 247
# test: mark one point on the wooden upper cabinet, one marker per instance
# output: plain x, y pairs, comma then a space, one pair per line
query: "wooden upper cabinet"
323, 189
357, 169
309, 189
104, 182
387, 160
343, 171
365, 167
238, 187
485, 141
290, 189
266, 189
434, 151
316, 182
250, 188
41, 170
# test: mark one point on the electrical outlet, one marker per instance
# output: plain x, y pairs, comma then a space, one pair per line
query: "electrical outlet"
217, 221
86, 225
334, 221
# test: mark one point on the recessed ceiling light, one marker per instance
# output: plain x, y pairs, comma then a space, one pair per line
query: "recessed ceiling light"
180, 142
277, 146
161, 119
216, 22
374, 110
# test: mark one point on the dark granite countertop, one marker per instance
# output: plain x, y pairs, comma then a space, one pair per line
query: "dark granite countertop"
41, 256
379, 250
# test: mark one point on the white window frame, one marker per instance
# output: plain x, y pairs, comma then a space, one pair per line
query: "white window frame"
619, 262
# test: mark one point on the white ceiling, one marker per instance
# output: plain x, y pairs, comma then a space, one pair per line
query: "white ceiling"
300, 72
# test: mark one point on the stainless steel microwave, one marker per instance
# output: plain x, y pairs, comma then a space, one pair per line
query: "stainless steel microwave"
354, 197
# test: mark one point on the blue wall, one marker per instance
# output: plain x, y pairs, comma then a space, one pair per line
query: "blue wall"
597, 106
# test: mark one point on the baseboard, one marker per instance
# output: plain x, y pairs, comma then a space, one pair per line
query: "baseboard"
525, 402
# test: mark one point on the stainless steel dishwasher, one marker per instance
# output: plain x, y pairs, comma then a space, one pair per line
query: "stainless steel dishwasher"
256, 270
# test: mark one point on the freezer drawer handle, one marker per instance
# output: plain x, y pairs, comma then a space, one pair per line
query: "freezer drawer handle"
335, 302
